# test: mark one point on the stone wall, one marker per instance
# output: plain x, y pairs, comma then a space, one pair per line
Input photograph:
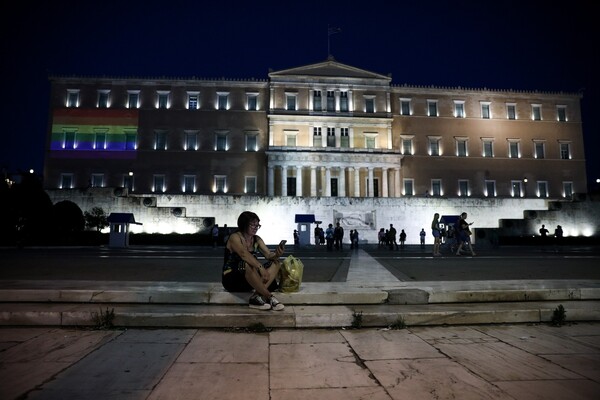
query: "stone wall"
168, 213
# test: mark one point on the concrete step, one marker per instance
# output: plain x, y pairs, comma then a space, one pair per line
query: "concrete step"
293, 316
311, 293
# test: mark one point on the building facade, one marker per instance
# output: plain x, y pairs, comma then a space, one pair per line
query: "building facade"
320, 130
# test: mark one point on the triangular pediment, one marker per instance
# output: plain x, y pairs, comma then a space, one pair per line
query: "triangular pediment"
328, 69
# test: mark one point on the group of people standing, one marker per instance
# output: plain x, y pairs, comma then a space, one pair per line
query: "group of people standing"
387, 238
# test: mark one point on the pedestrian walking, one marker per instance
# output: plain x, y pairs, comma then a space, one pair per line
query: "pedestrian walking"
422, 237
464, 234
338, 236
436, 232
544, 235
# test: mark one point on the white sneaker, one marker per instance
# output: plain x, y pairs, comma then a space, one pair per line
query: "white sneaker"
275, 304
258, 302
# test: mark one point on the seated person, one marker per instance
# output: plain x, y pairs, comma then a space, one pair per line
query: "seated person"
243, 272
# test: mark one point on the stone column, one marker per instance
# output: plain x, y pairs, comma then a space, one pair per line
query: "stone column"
397, 189
284, 180
313, 181
342, 182
298, 181
327, 181
384, 182
371, 185
270, 181
356, 182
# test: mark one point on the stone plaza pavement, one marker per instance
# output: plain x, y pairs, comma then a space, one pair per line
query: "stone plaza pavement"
518, 361
463, 339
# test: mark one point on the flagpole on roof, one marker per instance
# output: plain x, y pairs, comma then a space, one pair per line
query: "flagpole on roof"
331, 31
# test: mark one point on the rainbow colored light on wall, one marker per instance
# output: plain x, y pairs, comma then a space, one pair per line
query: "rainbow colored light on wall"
94, 133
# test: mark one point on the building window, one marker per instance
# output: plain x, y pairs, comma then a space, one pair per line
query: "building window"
317, 103
344, 138
461, 148
221, 142
158, 184
317, 137
459, 108
513, 149
97, 180
130, 140
163, 100
73, 98
69, 140
290, 137
511, 111
100, 140
191, 141
222, 100
409, 187
290, 101
485, 110
66, 181
344, 106
251, 141
160, 140
407, 146
539, 149
565, 151
404, 106
542, 189
103, 96
189, 183
193, 103
516, 189
463, 188
434, 146
250, 185
436, 187
330, 137
330, 100
133, 99
252, 101
568, 190
220, 184
488, 148
490, 188
369, 104
432, 108
370, 140
561, 113
536, 112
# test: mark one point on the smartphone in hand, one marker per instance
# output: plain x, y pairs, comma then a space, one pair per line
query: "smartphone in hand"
282, 243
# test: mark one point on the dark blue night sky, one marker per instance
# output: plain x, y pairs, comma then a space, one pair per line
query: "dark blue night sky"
525, 45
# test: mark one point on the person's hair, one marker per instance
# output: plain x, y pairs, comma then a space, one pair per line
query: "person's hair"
245, 219
436, 215
463, 214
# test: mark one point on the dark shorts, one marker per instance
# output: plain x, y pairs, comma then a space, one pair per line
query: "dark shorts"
234, 279
464, 237
435, 233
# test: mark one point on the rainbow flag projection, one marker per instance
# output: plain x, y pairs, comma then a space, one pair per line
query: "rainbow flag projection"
94, 133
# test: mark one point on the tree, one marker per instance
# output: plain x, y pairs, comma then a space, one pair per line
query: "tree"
67, 217
96, 218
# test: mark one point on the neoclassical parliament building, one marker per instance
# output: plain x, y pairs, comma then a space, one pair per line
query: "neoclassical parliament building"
321, 130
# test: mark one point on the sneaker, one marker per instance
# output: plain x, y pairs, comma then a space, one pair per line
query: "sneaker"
275, 304
258, 302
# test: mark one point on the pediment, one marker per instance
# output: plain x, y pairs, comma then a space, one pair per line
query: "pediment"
328, 69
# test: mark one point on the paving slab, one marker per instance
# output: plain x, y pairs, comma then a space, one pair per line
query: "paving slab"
122, 369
